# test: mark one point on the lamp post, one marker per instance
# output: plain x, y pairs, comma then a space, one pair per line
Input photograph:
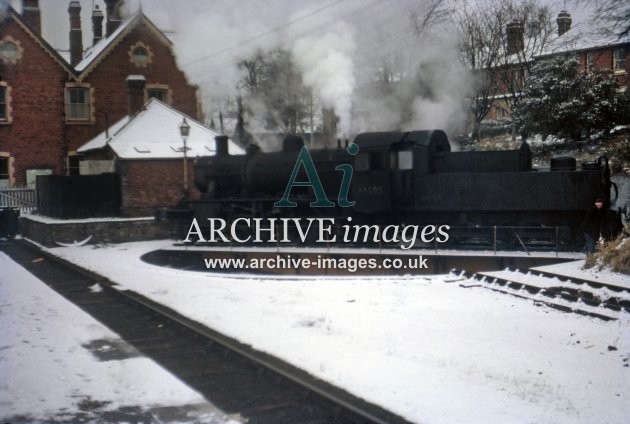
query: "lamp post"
184, 130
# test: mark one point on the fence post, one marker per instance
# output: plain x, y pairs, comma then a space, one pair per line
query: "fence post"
557, 241
494, 238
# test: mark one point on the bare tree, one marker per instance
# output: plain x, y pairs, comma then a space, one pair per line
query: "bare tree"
501, 61
538, 30
480, 50
611, 16
273, 92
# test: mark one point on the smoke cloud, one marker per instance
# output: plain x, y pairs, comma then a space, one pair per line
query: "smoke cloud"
381, 65
326, 61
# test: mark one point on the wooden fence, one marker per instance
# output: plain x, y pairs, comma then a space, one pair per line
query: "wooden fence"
24, 199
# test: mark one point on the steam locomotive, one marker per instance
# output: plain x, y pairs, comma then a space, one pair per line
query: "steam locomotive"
490, 197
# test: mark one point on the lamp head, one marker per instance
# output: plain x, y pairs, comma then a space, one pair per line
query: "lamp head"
184, 128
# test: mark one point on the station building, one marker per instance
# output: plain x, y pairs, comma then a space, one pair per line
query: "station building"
51, 105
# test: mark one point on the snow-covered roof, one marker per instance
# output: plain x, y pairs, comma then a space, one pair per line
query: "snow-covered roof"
153, 133
584, 35
94, 54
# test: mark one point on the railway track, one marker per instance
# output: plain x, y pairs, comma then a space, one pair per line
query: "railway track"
237, 379
597, 299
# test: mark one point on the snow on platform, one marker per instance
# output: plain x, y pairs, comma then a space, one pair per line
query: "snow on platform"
575, 269
423, 347
47, 372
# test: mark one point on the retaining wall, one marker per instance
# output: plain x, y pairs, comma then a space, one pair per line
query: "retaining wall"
49, 232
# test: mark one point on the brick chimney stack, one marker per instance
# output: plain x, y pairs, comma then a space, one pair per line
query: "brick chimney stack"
515, 40
76, 35
113, 15
31, 15
135, 84
97, 25
564, 22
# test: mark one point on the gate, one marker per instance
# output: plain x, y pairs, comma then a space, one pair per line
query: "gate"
22, 199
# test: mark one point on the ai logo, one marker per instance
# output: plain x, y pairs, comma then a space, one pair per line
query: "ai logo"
304, 159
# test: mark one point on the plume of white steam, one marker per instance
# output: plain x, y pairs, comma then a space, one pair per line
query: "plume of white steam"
326, 62
210, 38
451, 83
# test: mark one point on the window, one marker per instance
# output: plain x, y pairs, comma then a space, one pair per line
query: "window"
3, 103
74, 165
4, 173
78, 103
140, 54
159, 93
405, 160
500, 112
619, 63
31, 175
589, 62
362, 162
10, 50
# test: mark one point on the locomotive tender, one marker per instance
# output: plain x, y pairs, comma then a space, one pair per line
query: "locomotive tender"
413, 178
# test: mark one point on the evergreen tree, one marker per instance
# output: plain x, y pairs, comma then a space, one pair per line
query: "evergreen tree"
560, 100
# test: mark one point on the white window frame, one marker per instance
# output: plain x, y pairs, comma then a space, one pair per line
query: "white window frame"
619, 59
88, 115
6, 101
590, 62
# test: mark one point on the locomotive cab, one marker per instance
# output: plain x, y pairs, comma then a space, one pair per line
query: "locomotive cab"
385, 166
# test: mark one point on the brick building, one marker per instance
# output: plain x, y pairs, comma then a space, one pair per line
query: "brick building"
146, 150
593, 46
32, 79
49, 107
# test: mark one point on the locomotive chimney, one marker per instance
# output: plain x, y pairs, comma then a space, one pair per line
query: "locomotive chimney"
515, 41
221, 145
113, 16
32, 16
97, 25
564, 22
135, 85
76, 35
329, 125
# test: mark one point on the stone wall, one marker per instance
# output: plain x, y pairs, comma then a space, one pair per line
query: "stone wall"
49, 232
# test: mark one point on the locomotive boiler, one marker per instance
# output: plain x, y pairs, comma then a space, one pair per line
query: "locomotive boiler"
414, 178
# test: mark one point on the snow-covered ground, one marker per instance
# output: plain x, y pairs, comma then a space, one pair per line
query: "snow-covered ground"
47, 371
425, 348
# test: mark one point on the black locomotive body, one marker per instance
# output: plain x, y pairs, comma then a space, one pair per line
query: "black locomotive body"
414, 178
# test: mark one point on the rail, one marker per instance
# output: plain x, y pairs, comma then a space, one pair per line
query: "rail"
24, 199
525, 238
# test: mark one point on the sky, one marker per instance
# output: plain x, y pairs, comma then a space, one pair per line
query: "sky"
55, 25
337, 46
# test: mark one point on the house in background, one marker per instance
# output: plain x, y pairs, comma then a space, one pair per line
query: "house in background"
146, 150
49, 107
107, 87
594, 47
32, 79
